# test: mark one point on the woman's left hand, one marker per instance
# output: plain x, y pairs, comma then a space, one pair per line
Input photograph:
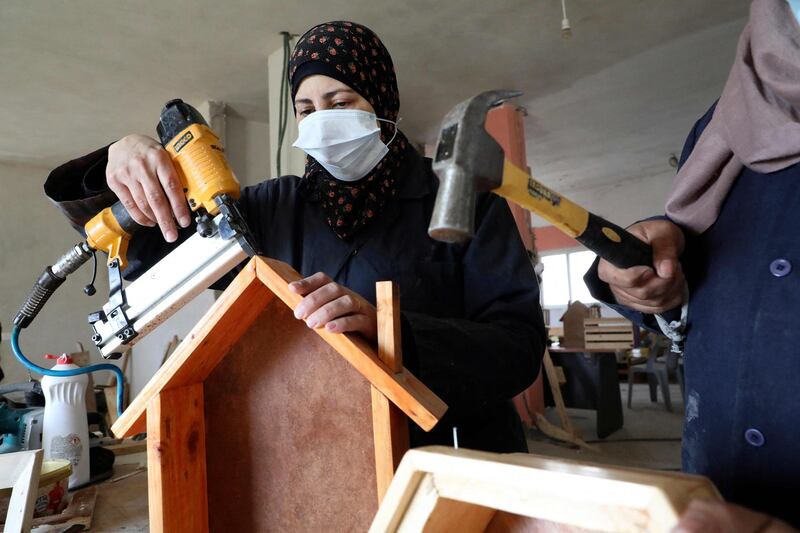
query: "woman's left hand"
338, 309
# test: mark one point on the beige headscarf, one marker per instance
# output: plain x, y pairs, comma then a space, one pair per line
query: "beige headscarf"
757, 120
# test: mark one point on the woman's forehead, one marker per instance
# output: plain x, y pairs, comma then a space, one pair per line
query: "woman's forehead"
319, 85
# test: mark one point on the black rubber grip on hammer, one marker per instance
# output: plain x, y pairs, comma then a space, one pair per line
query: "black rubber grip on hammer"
45, 286
614, 244
124, 219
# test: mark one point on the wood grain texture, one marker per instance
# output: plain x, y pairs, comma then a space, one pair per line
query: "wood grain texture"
389, 424
234, 312
387, 297
503, 522
416, 400
288, 433
176, 461
207, 343
20, 471
568, 493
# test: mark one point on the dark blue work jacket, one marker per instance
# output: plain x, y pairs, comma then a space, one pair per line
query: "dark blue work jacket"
472, 326
742, 361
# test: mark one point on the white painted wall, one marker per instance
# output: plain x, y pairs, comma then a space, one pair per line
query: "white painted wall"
35, 234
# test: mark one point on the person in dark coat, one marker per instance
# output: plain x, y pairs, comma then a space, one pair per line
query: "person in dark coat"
472, 326
731, 234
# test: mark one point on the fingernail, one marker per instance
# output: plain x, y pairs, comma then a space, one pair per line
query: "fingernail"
330, 326
298, 313
312, 324
664, 268
171, 235
185, 221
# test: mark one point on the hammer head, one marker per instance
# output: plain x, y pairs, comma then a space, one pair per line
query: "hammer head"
467, 161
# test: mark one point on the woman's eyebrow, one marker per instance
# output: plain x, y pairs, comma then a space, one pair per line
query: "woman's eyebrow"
326, 96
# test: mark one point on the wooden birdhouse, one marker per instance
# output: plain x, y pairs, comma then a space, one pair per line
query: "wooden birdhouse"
573, 325
258, 423
439, 490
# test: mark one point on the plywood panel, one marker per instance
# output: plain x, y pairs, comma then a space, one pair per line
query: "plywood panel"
289, 434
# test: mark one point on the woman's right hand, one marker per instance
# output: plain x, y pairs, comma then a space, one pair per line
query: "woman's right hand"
141, 174
650, 289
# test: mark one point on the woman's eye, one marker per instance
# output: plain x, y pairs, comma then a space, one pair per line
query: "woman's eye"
305, 112
341, 104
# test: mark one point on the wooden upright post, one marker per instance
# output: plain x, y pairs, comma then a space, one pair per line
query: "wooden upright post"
176, 461
389, 424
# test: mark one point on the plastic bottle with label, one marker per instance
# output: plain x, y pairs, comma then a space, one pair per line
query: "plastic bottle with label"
65, 434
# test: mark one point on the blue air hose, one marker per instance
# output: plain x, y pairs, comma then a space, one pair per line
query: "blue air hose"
70, 372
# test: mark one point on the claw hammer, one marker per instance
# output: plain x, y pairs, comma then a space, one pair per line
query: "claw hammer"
468, 160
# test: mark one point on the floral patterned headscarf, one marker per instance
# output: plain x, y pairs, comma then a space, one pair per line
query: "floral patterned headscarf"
354, 55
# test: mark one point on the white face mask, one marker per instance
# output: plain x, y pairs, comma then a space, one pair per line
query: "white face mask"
346, 142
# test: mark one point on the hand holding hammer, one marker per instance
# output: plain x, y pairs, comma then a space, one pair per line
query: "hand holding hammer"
468, 160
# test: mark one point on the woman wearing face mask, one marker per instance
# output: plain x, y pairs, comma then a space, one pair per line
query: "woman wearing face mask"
471, 322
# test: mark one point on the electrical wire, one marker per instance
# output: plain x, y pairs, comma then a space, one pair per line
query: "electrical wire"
283, 104
69, 372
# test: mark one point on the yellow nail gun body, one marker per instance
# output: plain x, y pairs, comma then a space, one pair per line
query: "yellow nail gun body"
222, 240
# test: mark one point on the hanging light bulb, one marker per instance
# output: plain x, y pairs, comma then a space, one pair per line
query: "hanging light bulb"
566, 29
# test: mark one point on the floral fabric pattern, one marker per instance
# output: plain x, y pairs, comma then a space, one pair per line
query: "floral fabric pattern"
354, 55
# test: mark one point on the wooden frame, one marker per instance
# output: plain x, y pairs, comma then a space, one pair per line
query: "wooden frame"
438, 489
172, 405
20, 472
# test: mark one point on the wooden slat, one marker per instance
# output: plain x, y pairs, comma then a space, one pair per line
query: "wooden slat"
594, 337
610, 345
572, 493
207, 343
601, 329
19, 471
389, 424
552, 378
449, 516
176, 461
612, 320
416, 400
387, 298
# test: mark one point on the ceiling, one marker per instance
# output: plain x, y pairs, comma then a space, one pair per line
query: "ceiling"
76, 74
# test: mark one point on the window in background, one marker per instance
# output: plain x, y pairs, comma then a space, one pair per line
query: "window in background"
555, 281
562, 278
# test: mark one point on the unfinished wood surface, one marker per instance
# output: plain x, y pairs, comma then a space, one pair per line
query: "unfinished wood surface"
608, 333
573, 324
555, 389
207, 343
430, 513
416, 400
288, 433
176, 461
503, 522
387, 298
389, 424
19, 471
233, 313
568, 493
